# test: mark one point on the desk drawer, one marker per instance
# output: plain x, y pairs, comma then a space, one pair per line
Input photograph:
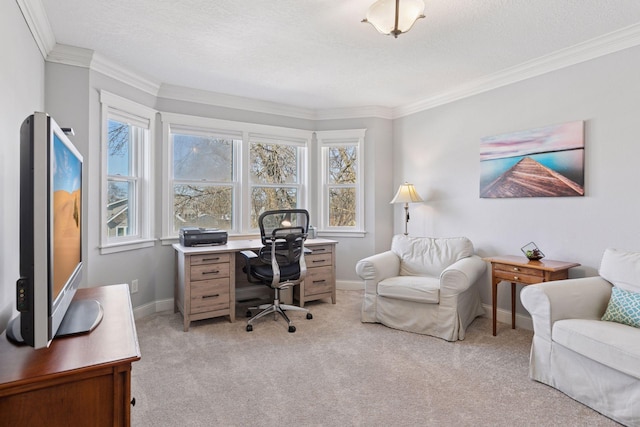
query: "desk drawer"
209, 295
319, 280
318, 260
210, 259
209, 271
519, 277
320, 249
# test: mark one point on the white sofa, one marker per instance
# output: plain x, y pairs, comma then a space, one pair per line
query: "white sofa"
593, 361
423, 285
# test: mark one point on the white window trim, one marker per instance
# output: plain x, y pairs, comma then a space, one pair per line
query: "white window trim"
302, 147
247, 132
140, 116
326, 139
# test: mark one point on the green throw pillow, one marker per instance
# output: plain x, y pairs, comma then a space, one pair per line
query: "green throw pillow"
624, 307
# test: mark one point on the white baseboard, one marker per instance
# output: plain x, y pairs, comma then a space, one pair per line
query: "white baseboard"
504, 316
167, 304
152, 307
349, 285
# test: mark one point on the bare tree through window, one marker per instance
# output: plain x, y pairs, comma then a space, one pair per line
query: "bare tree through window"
274, 174
342, 185
203, 181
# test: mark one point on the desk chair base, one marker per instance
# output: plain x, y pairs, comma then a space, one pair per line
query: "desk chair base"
275, 308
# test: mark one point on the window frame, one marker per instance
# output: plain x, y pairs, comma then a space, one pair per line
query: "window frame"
138, 116
246, 132
302, 181
170, 181
325, 141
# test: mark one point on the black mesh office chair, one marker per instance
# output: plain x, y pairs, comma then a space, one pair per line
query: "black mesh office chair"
280, 262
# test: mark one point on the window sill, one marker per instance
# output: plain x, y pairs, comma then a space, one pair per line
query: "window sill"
126, 246
340, 233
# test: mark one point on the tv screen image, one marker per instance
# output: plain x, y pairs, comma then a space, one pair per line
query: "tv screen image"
50, 238
67, 207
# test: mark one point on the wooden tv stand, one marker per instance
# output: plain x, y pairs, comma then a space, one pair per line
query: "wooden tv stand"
79, 380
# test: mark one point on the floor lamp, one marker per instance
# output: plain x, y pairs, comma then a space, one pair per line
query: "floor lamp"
406, 194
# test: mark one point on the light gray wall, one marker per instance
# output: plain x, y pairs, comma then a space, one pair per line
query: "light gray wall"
67, 101
74, 96
438, 150
22, 93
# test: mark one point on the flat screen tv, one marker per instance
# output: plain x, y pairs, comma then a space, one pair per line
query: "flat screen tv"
50, 235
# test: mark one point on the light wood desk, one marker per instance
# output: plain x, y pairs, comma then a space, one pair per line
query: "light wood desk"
518, 269
78, 380
207, 283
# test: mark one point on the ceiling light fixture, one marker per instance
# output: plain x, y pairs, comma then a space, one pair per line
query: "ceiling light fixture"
394, 16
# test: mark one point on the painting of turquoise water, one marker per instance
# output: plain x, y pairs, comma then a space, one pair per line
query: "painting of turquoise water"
542, 162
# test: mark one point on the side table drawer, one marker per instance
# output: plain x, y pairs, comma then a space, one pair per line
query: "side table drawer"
515, 276
318, 280
209, 271
518, 270
209, 295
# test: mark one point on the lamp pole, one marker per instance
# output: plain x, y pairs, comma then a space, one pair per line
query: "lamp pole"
406, 219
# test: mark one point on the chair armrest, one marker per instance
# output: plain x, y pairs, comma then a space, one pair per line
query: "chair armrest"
460, 275
376, 268
249, 255
582, 298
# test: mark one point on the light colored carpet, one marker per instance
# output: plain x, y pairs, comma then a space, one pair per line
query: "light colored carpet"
336, 371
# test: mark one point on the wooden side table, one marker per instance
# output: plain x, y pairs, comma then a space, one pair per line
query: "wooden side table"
518, 269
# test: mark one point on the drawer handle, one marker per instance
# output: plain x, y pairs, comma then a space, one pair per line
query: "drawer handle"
210, 296
318, 250
516, 269
516, 278
211, 259
319, 281
211, 272
318, 260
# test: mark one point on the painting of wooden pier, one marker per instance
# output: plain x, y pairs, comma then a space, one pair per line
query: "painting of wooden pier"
543, 162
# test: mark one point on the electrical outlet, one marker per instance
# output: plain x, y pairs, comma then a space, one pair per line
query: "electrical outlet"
134, 286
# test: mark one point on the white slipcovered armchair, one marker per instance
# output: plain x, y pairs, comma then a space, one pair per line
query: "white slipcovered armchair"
423, 285
594, 361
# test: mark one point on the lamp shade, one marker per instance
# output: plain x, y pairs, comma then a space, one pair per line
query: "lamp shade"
394, 16
407, 194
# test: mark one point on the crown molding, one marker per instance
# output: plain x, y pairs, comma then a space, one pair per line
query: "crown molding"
137, 80
70, 55
355, 113
609, 43
181, 93
38, 23
86, 58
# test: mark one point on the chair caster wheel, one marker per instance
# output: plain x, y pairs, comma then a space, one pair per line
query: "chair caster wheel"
249, 328
248, 313
292, 328
309, 316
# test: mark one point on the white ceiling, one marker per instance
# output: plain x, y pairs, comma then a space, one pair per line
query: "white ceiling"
317, 54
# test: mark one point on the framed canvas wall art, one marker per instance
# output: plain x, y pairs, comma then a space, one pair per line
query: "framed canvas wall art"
542, 162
